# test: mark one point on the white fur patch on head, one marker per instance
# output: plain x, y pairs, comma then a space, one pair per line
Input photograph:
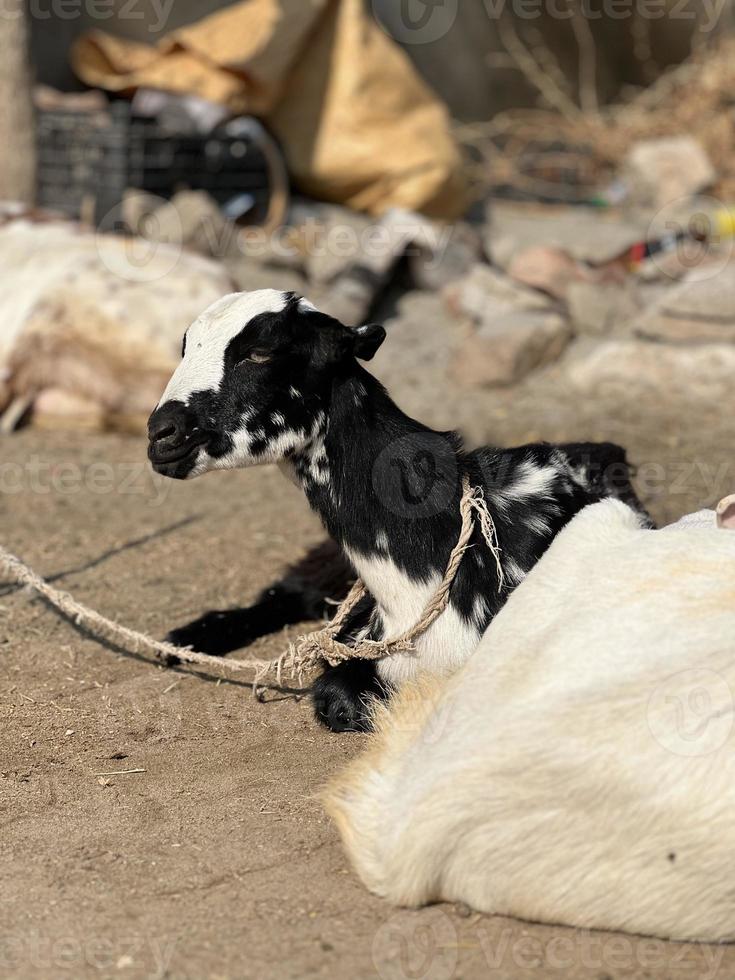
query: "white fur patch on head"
202, 368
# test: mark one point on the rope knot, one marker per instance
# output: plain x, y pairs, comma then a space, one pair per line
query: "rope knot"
323, 647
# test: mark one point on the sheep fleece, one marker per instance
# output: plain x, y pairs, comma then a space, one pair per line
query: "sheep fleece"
578, 770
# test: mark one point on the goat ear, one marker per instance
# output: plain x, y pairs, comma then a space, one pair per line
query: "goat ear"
367, 341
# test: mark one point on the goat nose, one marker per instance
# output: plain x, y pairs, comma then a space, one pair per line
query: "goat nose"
163, 430
167, 423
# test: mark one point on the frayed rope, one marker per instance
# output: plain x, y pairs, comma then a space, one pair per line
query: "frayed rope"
310, 651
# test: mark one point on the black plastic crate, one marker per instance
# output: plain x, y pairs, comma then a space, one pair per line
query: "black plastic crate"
87, 160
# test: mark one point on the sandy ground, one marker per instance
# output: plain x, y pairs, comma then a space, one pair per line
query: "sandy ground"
216, 861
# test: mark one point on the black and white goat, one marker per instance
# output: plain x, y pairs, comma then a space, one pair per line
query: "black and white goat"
266, 378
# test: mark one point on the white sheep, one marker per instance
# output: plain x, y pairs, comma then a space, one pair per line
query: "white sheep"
579, 769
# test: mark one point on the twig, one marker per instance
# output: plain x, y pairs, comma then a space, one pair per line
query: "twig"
585, 39
650, 98
58, 707
548, 61
120, 772
533, 72
640, 29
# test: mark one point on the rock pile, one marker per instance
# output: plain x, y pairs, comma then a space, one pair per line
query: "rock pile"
635, 300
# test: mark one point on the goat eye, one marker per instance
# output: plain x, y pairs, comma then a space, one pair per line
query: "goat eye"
257, 357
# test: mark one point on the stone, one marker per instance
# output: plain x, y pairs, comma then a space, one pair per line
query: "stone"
412, 363
193, 219
515, 329
329, 238
698, 310
641, 372
419, 338
249, 274
448, 255
588, 234
546, 268
348, 299
485, 290
554, 271
137, 206
506, 349
349, 258
600, 309
665, 170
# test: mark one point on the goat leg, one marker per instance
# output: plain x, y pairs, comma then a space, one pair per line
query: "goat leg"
299, 596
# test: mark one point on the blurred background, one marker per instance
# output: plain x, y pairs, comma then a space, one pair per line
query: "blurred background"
536, 196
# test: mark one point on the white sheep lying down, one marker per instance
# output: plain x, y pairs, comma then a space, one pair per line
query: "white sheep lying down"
580, 768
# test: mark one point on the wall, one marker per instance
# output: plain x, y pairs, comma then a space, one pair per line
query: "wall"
454, 43
466, 63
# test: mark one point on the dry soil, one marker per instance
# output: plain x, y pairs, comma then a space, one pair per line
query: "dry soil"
215, 860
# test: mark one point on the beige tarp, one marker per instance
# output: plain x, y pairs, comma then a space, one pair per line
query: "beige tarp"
357, 124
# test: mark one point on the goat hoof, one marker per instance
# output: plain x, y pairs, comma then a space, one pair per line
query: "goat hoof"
339, 716
342, 695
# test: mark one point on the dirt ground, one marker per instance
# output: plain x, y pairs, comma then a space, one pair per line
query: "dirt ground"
215, 860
